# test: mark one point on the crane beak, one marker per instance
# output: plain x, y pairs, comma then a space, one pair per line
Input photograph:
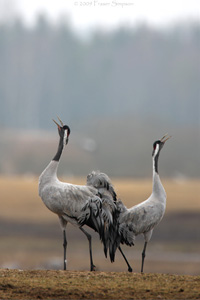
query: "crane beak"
60, 121
165, 138
58, 124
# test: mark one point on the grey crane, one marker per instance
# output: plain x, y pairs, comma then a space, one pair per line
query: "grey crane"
143, 217
77, 204
103, 184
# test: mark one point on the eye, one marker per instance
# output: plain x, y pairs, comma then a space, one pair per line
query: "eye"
155, 144
65, 127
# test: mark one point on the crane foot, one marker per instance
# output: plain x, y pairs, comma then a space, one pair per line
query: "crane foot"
93, 268
130, 270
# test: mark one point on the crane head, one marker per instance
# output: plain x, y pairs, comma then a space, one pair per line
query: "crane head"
63, 130
157, 145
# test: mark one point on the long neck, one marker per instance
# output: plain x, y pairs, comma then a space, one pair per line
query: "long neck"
157, 185
59, 151
50, 172
155, 161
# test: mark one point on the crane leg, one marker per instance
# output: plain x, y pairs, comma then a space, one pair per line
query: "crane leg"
92, 266
143, 256
129, 267
65, 248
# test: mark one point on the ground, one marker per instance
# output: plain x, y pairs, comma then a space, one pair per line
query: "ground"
31, 241
18, 284
46, 284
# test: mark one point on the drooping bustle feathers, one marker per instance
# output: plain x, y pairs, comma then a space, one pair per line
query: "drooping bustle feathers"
101, 182
109, 209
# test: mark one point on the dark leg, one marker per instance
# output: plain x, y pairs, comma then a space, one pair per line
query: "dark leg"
143, 256
129, 267
92, 266
65, 248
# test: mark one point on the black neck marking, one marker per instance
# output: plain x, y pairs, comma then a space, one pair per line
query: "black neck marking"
59, 151
156, 162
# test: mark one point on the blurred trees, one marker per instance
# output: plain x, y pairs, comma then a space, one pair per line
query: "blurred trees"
46, 70
127, 86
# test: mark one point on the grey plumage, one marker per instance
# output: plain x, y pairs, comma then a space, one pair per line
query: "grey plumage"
112, 207
102, 183
143, 217
77, 204
65, 199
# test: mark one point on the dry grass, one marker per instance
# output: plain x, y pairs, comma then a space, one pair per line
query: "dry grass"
25, 248
20, 200
15, 284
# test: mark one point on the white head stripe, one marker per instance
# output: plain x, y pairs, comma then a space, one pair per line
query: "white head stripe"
65, 137
156, 150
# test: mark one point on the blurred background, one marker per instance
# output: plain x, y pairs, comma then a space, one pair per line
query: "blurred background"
121, 74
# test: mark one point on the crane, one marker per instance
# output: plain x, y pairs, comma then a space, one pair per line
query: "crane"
77, 204
143, 217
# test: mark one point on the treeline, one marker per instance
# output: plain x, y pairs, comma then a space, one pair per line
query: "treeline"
140, 72
126, 86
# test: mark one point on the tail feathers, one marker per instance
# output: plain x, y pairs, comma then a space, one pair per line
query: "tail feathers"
101, 181
127, 234
121, 208
97, 215
122, 232
91, 208
125, 226
103, 184
114, 232
114, 241
116, 229
95, 221
108, 225
113, 248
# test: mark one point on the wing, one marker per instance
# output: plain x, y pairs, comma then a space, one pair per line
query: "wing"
80, 204
83, 205
125, 226
139, 219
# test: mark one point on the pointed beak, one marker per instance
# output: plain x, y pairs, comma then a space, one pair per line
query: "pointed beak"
59, 127
165, 138
60, 121
56, 124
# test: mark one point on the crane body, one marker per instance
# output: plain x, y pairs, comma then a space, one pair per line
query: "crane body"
77, 204
143, 217
65, 199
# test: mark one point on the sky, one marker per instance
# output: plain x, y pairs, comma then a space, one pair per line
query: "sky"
85, 15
